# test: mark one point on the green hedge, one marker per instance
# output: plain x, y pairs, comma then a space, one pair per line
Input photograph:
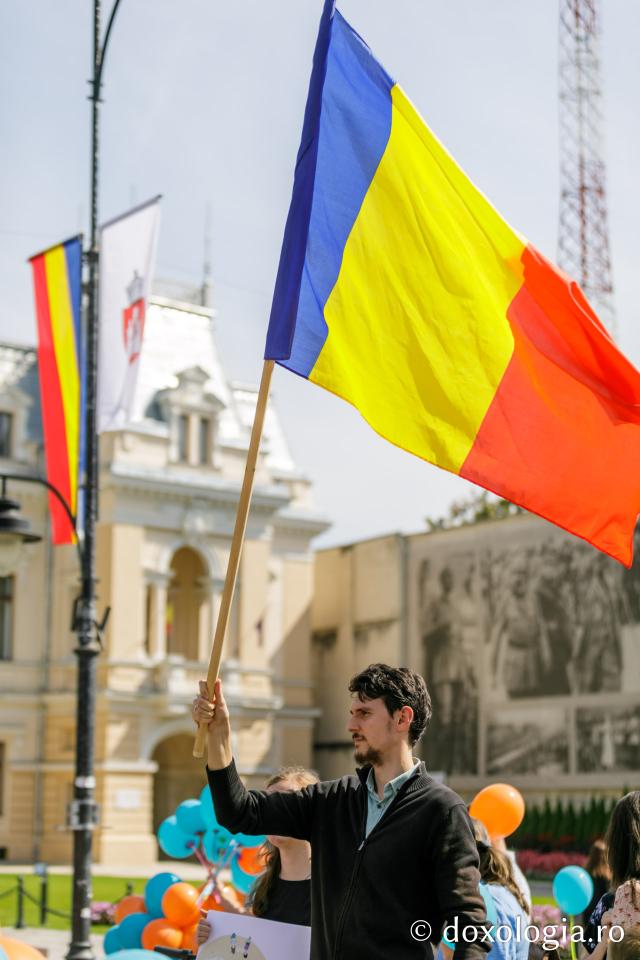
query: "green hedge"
558, 826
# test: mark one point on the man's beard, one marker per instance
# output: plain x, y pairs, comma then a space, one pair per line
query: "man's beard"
367, 755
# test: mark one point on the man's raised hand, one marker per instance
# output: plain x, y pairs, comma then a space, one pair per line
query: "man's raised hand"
215, 715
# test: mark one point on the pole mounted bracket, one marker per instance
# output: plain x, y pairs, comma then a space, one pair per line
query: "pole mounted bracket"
99, 625
83, 815
102, 625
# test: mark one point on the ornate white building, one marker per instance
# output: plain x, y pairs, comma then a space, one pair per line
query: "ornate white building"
169, 485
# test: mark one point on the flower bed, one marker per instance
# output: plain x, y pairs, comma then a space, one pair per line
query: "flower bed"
544, 866
548, 920
102, 911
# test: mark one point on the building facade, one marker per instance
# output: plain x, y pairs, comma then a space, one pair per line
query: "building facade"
529, 640
169, 486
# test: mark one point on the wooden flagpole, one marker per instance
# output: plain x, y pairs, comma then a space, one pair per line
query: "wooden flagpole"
236, 545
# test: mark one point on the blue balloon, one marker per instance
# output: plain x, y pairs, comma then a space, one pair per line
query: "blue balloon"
189, 817
155, 890
242, 881
207, 811
490, 904
173, 841
247, 841
112, 940
135, 955
130, 930
215, 843
572, 889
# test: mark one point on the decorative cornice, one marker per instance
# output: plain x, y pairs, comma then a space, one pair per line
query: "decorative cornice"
168, 303
613, 780
173, 484
296, 520
106, 766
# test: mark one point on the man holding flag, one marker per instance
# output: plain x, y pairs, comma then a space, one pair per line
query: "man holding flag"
393, 858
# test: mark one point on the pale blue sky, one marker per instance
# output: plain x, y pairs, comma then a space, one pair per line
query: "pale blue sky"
204, 103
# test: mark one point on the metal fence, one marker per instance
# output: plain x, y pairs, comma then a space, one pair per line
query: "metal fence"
23, 896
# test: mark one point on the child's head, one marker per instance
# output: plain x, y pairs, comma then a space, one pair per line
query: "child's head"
628, 948
623, 839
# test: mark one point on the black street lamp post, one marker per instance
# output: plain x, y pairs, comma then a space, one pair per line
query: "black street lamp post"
84, 816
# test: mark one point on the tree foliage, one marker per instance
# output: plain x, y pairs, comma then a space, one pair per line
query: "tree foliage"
478, 508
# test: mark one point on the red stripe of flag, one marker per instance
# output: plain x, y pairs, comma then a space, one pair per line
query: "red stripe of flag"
55, 436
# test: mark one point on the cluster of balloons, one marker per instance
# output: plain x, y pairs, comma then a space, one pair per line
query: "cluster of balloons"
167, 916
194, 827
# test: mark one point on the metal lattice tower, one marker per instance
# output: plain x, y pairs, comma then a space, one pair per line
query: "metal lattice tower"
583, 243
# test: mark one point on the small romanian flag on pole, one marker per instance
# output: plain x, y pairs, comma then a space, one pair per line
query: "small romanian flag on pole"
57, 280
403, 291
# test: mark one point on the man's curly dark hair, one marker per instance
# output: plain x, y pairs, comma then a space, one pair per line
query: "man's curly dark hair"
398, 687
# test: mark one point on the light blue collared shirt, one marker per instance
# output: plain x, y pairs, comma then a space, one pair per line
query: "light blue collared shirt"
376, 808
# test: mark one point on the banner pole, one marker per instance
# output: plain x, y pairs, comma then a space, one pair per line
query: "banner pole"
236, 545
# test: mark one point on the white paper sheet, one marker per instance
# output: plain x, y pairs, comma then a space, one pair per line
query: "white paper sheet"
236, 936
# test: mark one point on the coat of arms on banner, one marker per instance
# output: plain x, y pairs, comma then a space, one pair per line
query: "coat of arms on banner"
242, 937
127, 255
133, 318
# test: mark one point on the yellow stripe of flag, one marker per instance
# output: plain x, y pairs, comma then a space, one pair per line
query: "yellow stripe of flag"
430, 319
66, 356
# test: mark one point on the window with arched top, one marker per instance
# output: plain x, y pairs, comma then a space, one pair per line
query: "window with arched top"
185, 601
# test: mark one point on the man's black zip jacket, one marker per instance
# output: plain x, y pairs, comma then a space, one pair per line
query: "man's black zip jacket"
418, 863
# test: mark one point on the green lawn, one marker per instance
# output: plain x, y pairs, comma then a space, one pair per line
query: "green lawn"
104, 888
542, 900
59, 898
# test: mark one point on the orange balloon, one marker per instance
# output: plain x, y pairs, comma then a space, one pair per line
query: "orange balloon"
189, 940
500, 807
180, 904
17, 950
251, 860
161, 933
130, 904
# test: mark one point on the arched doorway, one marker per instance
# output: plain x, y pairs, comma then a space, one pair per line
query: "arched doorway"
178, 777
187, 604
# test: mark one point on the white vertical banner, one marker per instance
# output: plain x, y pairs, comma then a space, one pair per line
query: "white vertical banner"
127, 256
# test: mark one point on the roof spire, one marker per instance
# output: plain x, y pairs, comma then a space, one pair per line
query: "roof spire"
207, 279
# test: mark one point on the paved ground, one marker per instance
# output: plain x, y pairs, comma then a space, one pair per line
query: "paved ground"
541, 888
53, 943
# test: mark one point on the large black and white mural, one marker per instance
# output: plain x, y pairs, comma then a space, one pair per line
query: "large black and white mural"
530, 643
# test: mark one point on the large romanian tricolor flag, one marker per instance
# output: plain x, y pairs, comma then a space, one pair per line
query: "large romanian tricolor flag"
57, 279
402, 290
